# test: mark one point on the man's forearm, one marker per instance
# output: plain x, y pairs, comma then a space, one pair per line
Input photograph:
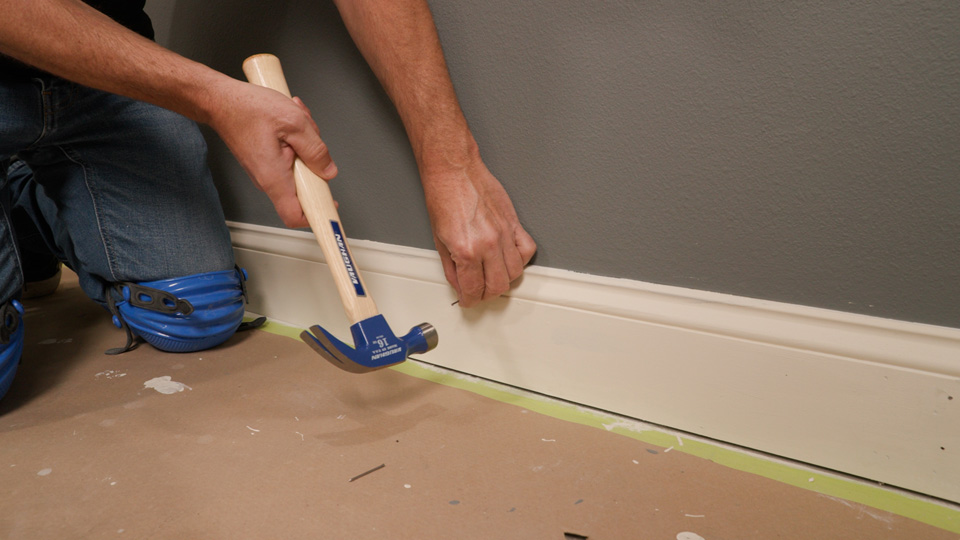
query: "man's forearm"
70, 39
264, 129
398, 39
482, 245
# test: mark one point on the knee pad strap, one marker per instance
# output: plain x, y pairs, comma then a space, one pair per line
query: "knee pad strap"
183, 314
11, 343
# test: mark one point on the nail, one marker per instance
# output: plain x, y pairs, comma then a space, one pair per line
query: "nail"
361, 475
330, 171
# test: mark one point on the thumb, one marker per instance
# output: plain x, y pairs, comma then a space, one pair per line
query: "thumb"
314, 153
310, 148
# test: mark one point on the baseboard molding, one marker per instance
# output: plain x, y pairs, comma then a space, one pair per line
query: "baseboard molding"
870, 397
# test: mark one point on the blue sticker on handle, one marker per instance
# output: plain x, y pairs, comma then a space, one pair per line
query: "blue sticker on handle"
347, 261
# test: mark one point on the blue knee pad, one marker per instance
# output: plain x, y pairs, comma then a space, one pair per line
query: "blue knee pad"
11, 343
183, 314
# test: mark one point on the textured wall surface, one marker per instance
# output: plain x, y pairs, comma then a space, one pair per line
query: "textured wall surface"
804, 154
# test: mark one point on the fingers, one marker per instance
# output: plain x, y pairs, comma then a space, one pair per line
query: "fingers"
283, 194
496, 271
513, 259
310, 148
306, 109
291, 213
463, 270
471, 282
526, 246
299, 138
488, 273
316, 157
449, 267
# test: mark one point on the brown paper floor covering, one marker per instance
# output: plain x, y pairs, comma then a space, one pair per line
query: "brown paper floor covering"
264, 437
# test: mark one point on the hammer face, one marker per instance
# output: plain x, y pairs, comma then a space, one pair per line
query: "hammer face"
376, 345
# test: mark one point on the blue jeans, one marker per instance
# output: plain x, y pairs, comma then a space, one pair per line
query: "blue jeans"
118, 189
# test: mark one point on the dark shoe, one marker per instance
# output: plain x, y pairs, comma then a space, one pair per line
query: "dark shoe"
41, 274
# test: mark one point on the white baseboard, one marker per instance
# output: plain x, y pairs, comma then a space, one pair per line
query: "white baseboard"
870, 397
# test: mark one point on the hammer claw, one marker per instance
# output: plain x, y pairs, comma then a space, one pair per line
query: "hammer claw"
318, 347
326, 346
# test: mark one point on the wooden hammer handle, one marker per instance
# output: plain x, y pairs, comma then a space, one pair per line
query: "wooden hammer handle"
317, 203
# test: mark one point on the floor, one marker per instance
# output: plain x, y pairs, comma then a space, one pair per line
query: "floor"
260, 438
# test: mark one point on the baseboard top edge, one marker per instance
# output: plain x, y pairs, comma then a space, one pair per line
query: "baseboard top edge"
845, 334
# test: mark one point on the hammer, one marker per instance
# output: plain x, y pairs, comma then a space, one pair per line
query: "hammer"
375, 345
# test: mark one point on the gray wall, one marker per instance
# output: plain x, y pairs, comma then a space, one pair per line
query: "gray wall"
804, 154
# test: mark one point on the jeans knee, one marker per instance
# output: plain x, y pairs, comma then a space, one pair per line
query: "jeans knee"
184, 314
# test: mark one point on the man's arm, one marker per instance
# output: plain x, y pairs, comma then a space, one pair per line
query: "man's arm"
476, 230
263, 128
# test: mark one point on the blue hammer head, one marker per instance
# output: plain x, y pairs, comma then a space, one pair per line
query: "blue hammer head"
376, 346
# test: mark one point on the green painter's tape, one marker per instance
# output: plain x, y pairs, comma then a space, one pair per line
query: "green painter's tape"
931, 513
277, 328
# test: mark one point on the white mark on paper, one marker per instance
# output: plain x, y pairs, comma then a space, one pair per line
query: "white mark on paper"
667, 450
625, 424
538, 468
548, 440
695, 515
254, 430
688, 536
110, 374
165, 385
408, 486
635, 462
44, 472
300, 434
864, 510
297, 418
341, 417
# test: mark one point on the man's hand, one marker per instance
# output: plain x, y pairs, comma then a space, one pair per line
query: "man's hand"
482, 245
476, 230
266, 131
